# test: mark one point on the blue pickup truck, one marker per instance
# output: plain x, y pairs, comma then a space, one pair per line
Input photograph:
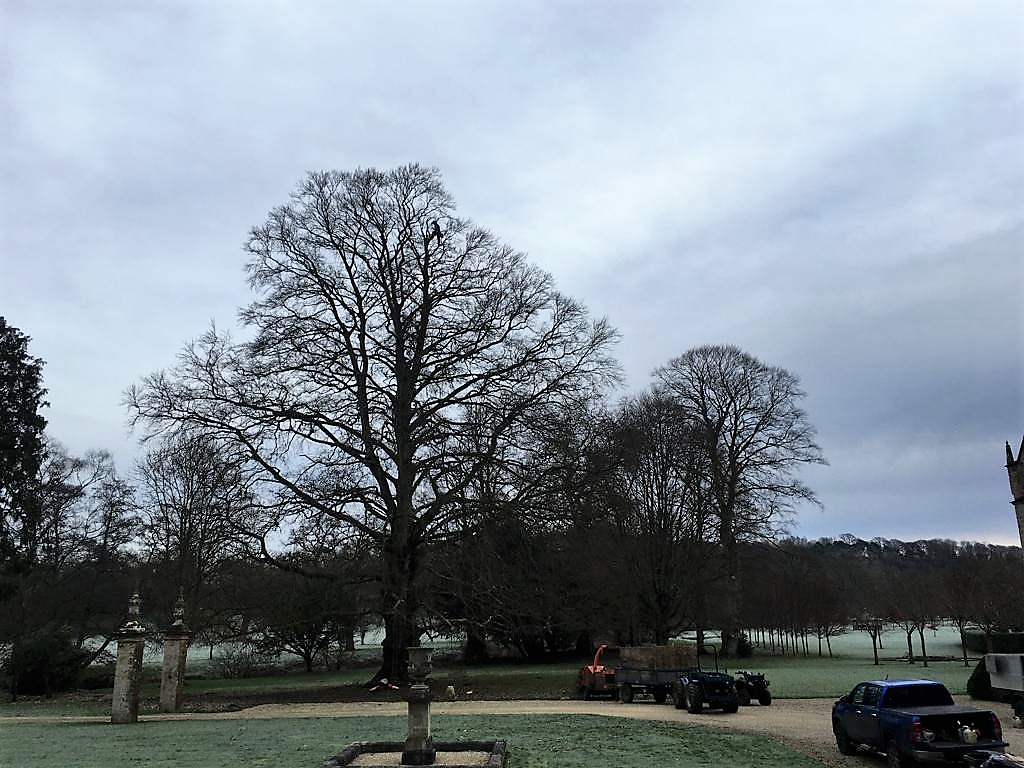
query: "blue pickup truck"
910, 720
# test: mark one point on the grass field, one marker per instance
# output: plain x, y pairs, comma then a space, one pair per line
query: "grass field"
536, 742
570, 741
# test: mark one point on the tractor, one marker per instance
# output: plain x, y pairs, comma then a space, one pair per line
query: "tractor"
696, 688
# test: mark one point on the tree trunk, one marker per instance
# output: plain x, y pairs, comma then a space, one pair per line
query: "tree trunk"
874, 644
475, 650
924, 652
731, 594
910, 646
963, 644
398, 609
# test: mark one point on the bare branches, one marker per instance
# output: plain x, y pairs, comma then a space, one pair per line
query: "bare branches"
754, 437
392, 351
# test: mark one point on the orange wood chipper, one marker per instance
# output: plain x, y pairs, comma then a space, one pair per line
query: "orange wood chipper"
596, 679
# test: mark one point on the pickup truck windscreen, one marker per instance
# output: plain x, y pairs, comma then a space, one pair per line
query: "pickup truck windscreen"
913, 696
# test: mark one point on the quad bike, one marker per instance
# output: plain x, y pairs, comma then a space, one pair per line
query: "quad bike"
752, 686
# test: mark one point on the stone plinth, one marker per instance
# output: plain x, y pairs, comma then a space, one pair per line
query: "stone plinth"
131, 641
451, 754
419, 744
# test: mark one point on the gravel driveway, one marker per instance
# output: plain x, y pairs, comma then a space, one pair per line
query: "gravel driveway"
803, 724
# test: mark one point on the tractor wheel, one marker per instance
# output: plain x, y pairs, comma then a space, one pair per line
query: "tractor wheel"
743, 697
765, 699
660, 695
678, 697
694, 704
732, 707
626, 693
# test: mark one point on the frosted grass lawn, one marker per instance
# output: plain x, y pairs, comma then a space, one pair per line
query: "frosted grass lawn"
569, 741
800, 677
565, 741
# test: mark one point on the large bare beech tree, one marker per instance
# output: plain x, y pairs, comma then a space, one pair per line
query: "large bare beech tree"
663, 512
756, 436
393, 350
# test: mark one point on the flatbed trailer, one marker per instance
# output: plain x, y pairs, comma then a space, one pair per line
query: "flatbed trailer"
652, 670
634, 681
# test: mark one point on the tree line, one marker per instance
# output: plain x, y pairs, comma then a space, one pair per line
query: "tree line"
416, 431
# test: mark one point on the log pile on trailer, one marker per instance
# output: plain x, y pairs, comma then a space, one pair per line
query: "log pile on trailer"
652, 670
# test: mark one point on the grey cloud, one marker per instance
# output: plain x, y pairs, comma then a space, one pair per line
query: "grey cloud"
835, 188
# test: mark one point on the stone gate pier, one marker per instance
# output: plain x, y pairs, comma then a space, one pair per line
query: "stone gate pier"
176, 642
131, 642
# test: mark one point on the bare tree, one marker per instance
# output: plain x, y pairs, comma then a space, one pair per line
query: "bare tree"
755, 437
74, 559
664, 513
195, 502
394, 348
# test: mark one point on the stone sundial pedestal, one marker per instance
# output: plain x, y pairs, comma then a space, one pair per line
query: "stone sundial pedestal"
419, 747
419, 744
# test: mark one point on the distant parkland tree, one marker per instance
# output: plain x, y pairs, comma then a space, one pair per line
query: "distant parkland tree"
195, 506
663, 514
755, 436
393, 350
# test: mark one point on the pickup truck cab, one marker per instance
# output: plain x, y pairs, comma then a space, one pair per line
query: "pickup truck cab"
911, 720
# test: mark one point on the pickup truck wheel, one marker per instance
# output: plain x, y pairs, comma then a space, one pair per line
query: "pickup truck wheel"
626, 693
843, 743
694, 705
743, 695
896, 758
588, 692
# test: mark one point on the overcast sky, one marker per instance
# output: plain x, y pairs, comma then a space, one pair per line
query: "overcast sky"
835, 187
